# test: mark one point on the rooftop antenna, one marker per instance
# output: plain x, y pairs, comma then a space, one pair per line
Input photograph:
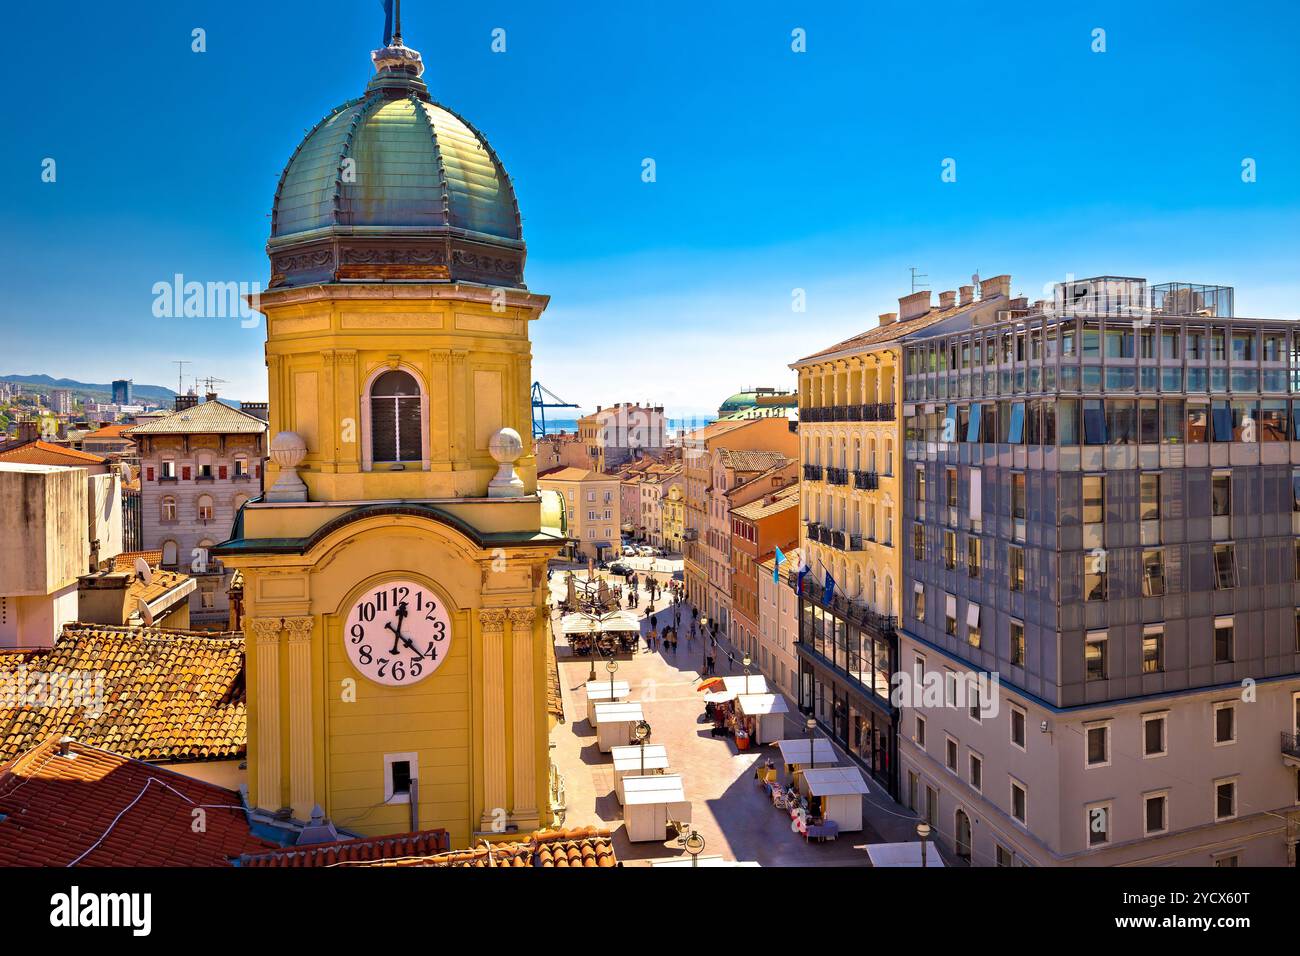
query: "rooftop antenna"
180, 375
397, 31
918, 286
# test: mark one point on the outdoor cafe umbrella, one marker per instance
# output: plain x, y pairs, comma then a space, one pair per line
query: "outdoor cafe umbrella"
713, 683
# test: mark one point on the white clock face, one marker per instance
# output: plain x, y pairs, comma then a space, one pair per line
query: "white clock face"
397, 633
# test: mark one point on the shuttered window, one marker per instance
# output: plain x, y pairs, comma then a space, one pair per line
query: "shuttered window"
395, 418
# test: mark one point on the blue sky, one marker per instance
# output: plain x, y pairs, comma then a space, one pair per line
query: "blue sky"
776, 170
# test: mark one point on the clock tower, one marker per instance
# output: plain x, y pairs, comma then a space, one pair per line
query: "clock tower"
395, 568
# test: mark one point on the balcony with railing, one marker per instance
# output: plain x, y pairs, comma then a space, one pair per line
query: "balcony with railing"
1291, 748
866, 480
869, 412
850, 610
837, 476
812, 472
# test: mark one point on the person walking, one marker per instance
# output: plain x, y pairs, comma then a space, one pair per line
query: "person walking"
654, 638
708, 665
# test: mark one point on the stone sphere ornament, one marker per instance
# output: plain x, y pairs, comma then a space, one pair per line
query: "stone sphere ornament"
505, 447
288, 449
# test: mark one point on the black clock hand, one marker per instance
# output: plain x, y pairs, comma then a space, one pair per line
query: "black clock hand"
409, 643
397, 631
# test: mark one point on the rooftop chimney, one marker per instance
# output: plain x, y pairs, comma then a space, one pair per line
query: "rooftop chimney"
186, 401
888, 318
947, 299
998, 285
910, 306
967, 294
210, 397
29, 430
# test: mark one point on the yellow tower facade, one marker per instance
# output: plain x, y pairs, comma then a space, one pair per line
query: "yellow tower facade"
394, 568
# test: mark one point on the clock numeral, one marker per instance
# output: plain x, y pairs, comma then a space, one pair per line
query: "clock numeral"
399, 672
417, 667
431, 653
364, 653
358, 633
433, 609
400, 594
367, 611
419, 600
440, 631
383, 663
381, 600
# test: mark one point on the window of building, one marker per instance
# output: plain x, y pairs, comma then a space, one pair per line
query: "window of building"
168, 508
400, 769
973, 631
1225, 724
205, 508
1154, 739
1094, 655
1017, 724
1018, 643
395, 426
1094, 575
918, 596
951, 748
1225, 567
1097, 736
1221, 495
919, 736
976, 771
918, 542
1153, 572
1225, 799
1226, 860
1019, 801
1223, 640
1016, 567
950, 615
1001, 855
972, 556
1153, 648
1097, 820
1155, 813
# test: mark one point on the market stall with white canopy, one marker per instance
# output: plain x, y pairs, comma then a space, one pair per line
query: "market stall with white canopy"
767, 715
614, 723
637, 761
650, 802
702, 861
572, 624
794, 753
739, 684
605, 692
838, 792
902, 854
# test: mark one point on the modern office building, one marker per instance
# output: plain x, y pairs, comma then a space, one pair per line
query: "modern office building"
122, 391
1102, 508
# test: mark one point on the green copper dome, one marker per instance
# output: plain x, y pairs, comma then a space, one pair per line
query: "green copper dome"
394, 186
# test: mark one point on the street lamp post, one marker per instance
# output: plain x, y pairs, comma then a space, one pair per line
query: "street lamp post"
694, 846
811, 724
704, 644
923, 831
642, 731
611, 665
747, 660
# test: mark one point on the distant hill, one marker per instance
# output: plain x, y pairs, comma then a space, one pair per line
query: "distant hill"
100, 393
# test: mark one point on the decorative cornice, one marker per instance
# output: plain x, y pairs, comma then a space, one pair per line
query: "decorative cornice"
492, 620
522, 616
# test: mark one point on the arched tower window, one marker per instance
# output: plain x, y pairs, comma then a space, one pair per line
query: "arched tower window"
395, 427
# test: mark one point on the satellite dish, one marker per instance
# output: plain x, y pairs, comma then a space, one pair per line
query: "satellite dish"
127, 474
146, 615
143, 570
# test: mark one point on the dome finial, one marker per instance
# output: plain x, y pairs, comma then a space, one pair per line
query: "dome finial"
397, 66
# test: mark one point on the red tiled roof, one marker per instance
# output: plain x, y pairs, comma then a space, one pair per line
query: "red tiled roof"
569, 473
126, 560
580, 847
40, 452
422, 843
150, 693
98, 808
110, 431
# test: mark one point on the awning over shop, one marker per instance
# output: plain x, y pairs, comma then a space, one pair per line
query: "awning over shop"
902, 854
618, 621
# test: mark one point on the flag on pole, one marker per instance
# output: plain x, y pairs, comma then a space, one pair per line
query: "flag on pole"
828, 589
776, 567
388, 20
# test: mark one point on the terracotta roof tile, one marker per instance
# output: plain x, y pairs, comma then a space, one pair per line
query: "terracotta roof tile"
782, 500
99, 808
126, 560
41, 452
569, 473
364, 851
579, 847
151, 694
741, 460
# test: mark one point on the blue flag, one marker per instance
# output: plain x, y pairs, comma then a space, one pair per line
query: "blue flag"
388, 20
828, 589
776, 568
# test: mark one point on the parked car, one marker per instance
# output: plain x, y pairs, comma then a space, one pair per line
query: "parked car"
619, 568
646, 551
629, 551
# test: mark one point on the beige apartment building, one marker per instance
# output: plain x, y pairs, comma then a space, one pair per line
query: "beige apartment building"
706, 556
657, 482
591, 502
619, 434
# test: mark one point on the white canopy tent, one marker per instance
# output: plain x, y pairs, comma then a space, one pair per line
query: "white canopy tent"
741, 685
768, 711
840, 790
650, 802
599, 692
637, 761
614, 621
703, 861
902, 854
795, 753
614, 723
